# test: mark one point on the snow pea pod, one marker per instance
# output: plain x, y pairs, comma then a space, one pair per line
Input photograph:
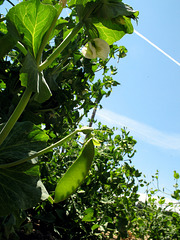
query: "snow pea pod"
76, 173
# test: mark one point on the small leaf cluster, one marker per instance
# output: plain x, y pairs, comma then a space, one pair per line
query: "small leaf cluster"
157, 218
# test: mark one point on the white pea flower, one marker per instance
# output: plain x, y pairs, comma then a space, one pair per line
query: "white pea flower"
96, 48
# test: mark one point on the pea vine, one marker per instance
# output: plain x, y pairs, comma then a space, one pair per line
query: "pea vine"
27, 30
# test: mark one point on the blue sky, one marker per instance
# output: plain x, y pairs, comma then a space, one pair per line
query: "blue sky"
148, 100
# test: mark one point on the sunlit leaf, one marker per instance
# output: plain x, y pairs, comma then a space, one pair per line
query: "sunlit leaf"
176, 175
111, 31
32, 19
89, 215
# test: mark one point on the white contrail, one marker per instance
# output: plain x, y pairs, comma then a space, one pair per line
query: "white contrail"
159, 49
140, 130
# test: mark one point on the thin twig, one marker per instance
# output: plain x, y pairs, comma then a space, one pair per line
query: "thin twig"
93, 113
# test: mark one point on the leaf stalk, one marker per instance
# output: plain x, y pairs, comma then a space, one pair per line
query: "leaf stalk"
45, 150
21, 48
61, 47
15, 115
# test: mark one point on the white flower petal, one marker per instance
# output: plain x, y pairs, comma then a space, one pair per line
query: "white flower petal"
102, 48
96, 48
89, 51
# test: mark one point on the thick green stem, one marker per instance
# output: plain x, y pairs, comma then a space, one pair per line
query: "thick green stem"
45, 150
15, 115
85, 130
47, 35
61, 47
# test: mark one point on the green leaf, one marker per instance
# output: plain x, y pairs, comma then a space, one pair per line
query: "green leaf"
113, 8
20, 188
89, 215
6, 44
2, 85
32, 19
94, 227
112, 20
31, 77
24, 140
176, 175
176, 194
111, 31
3, 28
1, 2
6, 41
161, 201
96, 142
75, 175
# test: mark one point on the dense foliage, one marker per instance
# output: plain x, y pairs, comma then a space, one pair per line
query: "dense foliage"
46, 88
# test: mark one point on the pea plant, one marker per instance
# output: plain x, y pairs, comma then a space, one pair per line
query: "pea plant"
35, 38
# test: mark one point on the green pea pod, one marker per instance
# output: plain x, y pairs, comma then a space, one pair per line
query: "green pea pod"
75, 175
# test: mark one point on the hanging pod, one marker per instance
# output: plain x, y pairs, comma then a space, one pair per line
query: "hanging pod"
75, 175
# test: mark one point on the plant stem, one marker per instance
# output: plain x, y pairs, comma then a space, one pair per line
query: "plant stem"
60, 65
21, 48
93, 113
65, 42
15, 115
46, 37
45, 150
61, 47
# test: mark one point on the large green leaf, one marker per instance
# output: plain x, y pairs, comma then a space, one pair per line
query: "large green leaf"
110, 31
32, 19
110, 18
24, 140
20, 186
31, 77
109, 9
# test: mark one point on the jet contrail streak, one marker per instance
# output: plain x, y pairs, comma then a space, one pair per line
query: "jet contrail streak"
159, 49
